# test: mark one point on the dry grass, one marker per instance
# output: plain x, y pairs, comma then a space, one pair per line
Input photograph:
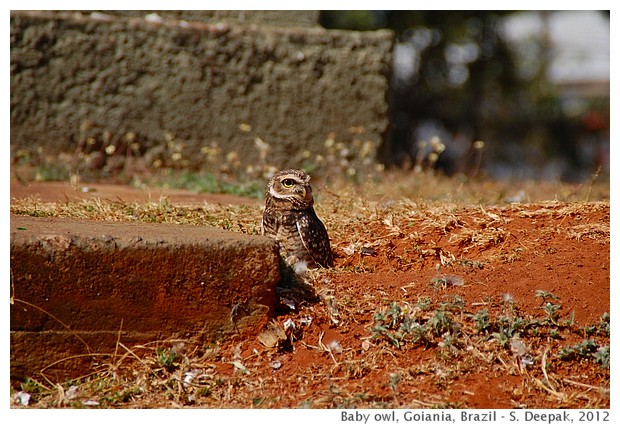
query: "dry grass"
188, 373
449, 340
244, 218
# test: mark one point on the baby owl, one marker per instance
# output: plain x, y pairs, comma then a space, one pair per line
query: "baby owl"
290, 219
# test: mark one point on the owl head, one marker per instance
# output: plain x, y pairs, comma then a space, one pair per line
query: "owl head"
292, 186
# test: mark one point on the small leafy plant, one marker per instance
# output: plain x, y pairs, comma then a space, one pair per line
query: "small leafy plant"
442, 325
167, 358
586, 349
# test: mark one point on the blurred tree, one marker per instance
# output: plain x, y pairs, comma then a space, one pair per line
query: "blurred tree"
455, 78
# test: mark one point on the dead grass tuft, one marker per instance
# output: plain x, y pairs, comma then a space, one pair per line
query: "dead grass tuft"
597, 231
244, 219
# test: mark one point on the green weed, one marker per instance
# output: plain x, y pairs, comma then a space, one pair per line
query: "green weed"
584, 350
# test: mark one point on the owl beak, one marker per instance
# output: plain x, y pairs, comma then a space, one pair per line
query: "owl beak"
302, 192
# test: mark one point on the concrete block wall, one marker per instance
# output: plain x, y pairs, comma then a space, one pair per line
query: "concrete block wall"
159, 85
78, 287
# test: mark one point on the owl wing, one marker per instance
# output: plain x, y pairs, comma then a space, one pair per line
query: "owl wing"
269, 224
314, 238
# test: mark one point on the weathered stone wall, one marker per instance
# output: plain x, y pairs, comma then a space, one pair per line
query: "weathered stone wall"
279, 18
178, 92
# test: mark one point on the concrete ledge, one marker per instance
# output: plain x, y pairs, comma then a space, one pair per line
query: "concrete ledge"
148, 281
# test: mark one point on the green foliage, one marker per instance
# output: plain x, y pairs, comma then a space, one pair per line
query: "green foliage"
210, 183
546, 295
121, 396
31, 386
604, 324
551, 310
492, 87
481, 321
359, 20
602, 357
586, 349
424, 302
508, 327
442, 324
167, 358
398, 324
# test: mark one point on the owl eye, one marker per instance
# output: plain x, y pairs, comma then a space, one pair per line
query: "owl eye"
288, 183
